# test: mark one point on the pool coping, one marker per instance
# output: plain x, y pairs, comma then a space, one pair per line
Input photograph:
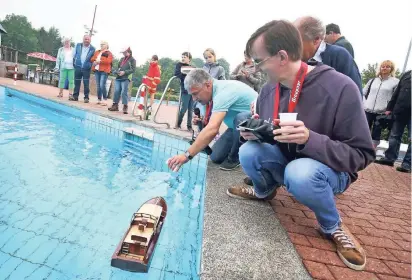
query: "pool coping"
227, 223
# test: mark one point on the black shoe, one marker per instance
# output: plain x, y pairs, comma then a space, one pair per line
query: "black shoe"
229, 165
86, 100
72, 98
115, 107
248, 181
403, 169
384, 161
125, 109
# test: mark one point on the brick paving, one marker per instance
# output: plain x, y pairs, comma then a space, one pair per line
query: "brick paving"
376, 208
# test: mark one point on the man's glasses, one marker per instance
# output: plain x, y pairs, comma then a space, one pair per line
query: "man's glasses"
260, 62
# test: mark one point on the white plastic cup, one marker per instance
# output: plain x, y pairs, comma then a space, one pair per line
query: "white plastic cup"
285, 117
288, 117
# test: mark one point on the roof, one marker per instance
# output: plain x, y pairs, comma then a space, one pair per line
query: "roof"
2, 30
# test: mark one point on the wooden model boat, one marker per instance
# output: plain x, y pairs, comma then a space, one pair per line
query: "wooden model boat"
136, 247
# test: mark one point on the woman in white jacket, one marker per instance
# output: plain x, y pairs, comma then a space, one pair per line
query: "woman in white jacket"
377, 93
64, 64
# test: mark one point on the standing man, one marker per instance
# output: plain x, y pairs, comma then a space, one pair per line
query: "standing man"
319, 154
82, 65
400, 107
226, 101
312, 32
334, 37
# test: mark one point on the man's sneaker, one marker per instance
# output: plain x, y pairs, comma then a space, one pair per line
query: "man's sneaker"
86, 100
72, 98
403, 169
247, 193
229, 165
348, 248
384, 161
248, 181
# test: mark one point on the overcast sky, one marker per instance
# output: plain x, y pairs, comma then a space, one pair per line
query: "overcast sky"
378, 30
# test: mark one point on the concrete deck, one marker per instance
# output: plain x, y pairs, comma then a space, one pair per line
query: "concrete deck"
241, 239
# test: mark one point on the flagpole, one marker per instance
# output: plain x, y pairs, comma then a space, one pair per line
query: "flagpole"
94, 16
407, 56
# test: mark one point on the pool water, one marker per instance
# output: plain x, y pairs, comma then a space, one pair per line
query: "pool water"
70, 184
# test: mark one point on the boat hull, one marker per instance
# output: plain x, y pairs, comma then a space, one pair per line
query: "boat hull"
124, 262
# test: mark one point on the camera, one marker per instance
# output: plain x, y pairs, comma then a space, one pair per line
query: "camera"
206, 150
262, 129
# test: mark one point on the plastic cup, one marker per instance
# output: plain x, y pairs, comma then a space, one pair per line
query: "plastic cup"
287, 117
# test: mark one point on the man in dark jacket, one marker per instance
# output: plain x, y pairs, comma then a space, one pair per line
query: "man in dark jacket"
400, 107
333, 36
82, 65
317, 155
186, 100
312, 32
124, 74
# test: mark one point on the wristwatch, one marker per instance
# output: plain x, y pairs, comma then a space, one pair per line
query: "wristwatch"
187, 154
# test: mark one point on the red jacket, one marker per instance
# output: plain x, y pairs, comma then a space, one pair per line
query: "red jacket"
105, 62
152, 78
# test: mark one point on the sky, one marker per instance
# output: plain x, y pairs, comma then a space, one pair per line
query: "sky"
378, 30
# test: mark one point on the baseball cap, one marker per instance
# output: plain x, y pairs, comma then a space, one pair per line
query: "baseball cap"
125, 49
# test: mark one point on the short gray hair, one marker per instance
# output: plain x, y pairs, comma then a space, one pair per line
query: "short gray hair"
196, 77
310, 28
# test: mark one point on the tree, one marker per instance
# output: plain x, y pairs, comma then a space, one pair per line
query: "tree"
223, 62
49, 41
198, 62
369, 73
20, 34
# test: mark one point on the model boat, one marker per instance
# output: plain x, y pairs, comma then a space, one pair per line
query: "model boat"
136, 247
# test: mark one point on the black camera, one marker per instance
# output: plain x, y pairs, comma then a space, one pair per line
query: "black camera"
206, 150
262, 129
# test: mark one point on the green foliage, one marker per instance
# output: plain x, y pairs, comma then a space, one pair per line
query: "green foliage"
198, 62
20, 34
223, 62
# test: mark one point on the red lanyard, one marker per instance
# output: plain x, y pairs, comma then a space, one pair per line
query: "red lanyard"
209, 107
296, 90
124, 61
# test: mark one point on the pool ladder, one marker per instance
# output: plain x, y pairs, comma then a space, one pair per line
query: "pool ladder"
145, 111
161, 100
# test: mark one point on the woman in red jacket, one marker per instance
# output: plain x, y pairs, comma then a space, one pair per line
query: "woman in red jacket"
152, 78
102, 65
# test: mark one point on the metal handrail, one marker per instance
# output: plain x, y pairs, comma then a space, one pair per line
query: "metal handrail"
161, 100
145, 100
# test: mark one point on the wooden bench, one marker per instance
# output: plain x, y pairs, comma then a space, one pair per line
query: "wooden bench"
10, 73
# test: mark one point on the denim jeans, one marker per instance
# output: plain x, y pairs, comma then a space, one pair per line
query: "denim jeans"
395, 138
79, 74
120, 88
101, 78
186, 104
311, 182
228, 144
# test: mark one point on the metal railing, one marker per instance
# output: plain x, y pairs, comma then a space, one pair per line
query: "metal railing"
139, 90
161, 100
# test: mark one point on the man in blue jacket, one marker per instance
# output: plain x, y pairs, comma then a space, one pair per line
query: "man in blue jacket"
315, 49
82, 65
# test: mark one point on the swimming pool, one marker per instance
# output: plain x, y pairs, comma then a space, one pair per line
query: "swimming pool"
70, 181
